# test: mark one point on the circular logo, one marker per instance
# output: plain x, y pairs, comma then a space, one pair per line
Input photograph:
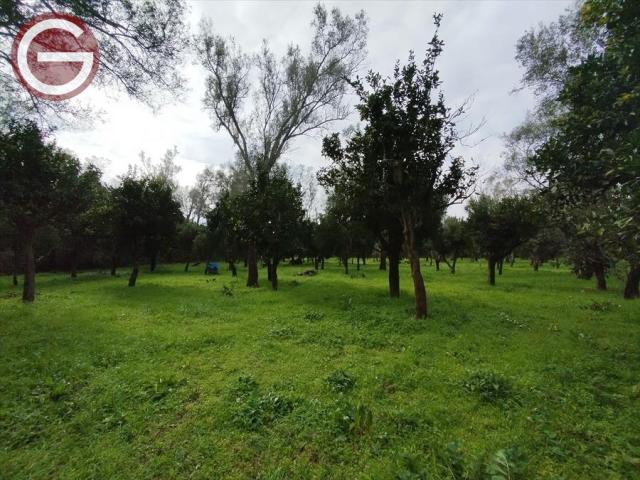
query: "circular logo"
55, 56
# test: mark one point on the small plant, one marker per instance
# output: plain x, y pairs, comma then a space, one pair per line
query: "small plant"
505, 465
490, 386
227, 291
160, 389
251, 410
282, 333
410, 468
313, 316
346, 303
57, 390
340, 381
455, 461
600, 307
353, 420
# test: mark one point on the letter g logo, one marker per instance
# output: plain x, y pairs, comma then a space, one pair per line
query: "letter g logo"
55, 56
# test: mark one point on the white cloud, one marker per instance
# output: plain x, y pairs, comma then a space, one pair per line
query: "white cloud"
478, 60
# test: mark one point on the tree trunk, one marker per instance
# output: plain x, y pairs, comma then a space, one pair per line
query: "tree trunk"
16, 264
322, 264
437, 264
536, 265
29, 286
632, 285
500, 265
453, 265
394, 274
601, 281
345, 261
114, 265
154, 261
186, 266
74, 263
316, 263
383, 261
269, 271
274, 274
252, 263
232, 267
512, 260
492, 270
414, 260
358, 267
134, 272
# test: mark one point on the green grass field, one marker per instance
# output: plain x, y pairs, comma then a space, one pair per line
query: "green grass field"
326, 378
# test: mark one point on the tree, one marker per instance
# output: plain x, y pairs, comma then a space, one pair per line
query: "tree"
291, 97
548, 244
225, 228
498, 226
585, 69
451, 241
359, 179
141, 48
281, 214
146, 216
35, 180
187, 234
80, 219
407, 118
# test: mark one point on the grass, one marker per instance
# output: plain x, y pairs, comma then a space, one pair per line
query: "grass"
187, 376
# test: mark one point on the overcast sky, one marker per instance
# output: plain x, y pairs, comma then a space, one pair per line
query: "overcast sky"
478, 60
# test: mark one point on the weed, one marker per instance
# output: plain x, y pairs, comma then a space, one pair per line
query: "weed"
353, 420
490, 386
282, 333
600, 307
340, 381
505, 464
227, 291
251, 411
313, 315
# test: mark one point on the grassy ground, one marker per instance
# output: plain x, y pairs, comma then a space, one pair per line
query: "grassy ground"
187, 376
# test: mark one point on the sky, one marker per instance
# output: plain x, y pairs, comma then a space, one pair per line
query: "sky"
478, 62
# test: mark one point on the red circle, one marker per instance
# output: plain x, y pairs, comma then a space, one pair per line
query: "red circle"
55, 40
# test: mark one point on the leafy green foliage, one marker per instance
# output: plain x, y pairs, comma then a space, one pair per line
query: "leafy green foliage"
505, 464
251, 410
489, 386
353, 420
340, 381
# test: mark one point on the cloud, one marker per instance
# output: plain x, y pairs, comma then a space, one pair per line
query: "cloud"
478, 59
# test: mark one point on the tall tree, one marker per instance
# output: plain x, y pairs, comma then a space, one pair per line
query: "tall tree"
291, 97
407, 117
585, 69
36, 178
